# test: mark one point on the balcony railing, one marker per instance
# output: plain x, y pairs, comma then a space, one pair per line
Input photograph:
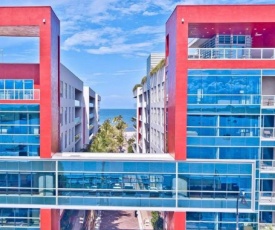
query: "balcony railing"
231, 53
268, 133
267, 165
20, 94
266, 226
77, 121
77, 103
77, 137
267, 196
268, 100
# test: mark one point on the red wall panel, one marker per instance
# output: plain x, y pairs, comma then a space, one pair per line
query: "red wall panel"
20, 71
176, 220
49, 219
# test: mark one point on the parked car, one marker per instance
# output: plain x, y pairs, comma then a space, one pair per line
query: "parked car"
146, 222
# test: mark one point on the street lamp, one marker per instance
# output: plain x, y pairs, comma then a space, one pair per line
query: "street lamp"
241, 195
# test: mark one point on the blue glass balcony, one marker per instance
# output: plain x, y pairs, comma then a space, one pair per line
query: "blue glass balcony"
231, 53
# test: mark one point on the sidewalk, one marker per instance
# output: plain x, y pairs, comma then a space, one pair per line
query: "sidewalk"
146, 215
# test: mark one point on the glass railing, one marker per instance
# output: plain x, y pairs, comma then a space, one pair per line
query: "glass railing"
264, 226
267, 196
268, 133
91, 104
77, 103
77, 137
20, 94
91, 115
231, 53
268, 100
267, 164
77, 120
90, 127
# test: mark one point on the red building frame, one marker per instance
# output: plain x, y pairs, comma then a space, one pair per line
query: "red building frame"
205, 21
43, 23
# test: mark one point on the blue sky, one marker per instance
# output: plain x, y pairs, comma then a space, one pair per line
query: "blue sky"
105, 42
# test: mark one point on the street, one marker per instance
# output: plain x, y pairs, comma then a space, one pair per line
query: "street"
123, 220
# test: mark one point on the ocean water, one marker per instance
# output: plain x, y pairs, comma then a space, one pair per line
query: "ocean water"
126, 114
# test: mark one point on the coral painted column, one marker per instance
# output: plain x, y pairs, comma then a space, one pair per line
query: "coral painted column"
176, 220
49, 219
177, 85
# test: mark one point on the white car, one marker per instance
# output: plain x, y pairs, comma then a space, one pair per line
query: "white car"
146, 222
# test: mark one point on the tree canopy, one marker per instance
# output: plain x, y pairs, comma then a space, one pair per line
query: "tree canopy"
110, 137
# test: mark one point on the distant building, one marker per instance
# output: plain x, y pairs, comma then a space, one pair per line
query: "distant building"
150, 107
79, 106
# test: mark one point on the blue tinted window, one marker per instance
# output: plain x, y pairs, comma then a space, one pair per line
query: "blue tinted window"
201, 120
9, 84
194, 85
239, 153
201, 153
224, 72
239, 121
18, 84
269, 72
28, 84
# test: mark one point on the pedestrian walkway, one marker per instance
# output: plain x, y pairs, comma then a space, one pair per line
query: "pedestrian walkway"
146, 218
78, 220
123, 220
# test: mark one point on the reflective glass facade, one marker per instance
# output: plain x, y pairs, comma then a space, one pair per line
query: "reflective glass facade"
231, 117
212, 220
224, 114
19, 219
183, 185
16, 89
19, 130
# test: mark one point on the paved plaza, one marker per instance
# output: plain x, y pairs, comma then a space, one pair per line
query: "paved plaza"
123, 220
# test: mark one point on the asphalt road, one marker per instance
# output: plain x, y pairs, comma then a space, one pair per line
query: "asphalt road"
123, 220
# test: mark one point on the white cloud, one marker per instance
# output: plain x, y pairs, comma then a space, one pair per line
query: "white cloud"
149, 30
127, 71
113, 40
90, 38
149, 13
121, 48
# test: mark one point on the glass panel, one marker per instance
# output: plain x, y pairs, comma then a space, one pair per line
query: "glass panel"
2, 84
9, 84
18, 84
28, 84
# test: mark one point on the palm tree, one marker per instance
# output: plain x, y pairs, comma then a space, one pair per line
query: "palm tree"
134, 120
110, 137
120, 126
105, 140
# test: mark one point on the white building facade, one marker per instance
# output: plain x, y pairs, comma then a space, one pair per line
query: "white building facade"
150, 108
79, 107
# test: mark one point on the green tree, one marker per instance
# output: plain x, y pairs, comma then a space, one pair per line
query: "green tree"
130, 143
105, 140
120, 125
156, 221
110, 137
